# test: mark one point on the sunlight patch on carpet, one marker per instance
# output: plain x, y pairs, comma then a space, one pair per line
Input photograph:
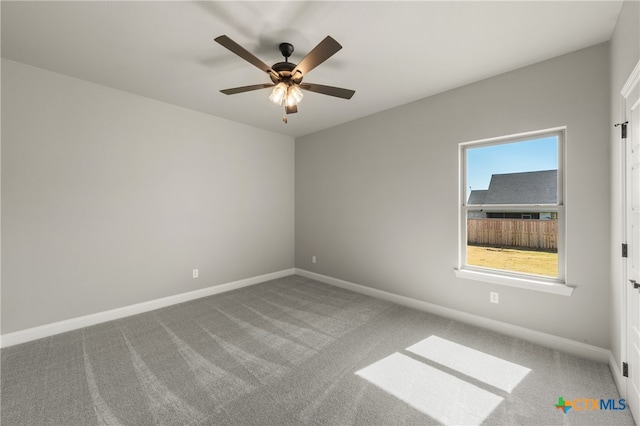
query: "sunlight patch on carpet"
488, 369
442, 396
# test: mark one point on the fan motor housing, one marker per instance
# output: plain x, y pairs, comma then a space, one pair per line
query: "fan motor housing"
284, 71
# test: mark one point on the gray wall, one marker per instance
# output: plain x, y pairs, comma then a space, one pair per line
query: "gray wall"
625, 53
376, 198
110, 199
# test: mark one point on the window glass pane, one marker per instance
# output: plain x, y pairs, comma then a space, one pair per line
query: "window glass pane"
517, 235
507, 164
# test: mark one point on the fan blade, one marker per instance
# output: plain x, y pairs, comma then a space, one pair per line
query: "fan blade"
323, 51
291, 109
328, 90
244, 53
246, 88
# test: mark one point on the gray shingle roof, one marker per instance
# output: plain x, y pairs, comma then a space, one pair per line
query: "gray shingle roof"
478, 196
539, 187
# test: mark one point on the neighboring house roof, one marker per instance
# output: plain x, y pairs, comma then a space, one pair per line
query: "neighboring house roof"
539, 187
478, 196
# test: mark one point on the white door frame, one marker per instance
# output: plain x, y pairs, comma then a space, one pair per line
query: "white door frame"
632, 82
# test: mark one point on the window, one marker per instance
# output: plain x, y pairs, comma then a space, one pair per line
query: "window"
512, 211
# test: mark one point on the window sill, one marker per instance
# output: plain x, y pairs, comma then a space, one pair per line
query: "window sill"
527, 283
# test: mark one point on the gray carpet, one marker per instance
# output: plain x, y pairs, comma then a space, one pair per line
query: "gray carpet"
295, 351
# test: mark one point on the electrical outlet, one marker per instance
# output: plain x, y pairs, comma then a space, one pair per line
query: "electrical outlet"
196, 274
494, 297
313, 259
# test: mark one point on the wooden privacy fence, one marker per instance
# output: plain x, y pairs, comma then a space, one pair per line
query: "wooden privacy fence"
526, 233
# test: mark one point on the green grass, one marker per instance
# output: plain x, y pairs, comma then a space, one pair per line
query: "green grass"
507, 259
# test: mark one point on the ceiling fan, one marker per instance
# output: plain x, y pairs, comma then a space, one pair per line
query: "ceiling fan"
286, 77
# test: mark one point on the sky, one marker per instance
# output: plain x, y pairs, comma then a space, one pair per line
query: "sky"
528, 156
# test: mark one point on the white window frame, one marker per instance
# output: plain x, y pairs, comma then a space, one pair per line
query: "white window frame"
556, 285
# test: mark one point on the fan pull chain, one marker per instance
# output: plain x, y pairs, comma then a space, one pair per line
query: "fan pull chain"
285, 120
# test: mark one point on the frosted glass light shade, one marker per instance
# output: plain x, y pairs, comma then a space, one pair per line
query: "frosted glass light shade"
294, 95
278, 94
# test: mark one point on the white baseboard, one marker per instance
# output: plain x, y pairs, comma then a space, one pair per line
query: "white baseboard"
548, 340
22, 336
555, 342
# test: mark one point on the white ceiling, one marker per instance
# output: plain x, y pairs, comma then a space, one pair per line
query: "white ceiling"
393, 52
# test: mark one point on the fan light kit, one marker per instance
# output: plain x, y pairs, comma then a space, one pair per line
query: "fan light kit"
288, 95
286, 77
